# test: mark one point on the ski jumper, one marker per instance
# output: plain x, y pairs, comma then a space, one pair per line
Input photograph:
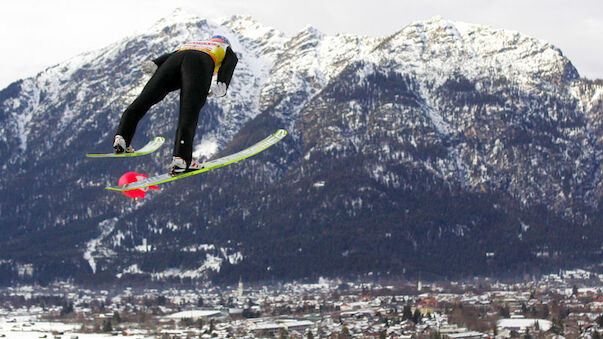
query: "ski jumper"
189, 69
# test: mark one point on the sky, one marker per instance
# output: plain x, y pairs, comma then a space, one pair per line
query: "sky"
36, 34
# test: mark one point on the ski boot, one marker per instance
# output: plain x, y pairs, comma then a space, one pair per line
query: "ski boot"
178, 165
119, 143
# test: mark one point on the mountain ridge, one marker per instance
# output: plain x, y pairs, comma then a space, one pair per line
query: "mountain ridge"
443, 140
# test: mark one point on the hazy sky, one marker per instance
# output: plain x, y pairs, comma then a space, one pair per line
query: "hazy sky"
38, 34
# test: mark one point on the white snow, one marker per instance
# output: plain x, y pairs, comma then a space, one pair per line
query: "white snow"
15, 325
440, 125
143, 247
23, 120
206, 148
212, 263
106, 227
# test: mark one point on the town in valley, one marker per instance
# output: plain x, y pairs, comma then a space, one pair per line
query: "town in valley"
568, 304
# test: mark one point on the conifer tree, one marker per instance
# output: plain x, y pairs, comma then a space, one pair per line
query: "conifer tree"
406, 313
416, 317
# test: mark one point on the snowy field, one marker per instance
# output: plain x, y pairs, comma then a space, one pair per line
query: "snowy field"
29, 327
36, 335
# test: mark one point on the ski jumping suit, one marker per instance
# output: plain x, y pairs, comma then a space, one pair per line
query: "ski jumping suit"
189, 69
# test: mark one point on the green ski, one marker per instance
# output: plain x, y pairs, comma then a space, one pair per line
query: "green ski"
150, 147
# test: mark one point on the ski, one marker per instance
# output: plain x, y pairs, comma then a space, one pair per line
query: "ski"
207, 166
150, 147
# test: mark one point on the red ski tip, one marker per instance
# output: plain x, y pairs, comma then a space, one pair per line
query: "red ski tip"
131, 177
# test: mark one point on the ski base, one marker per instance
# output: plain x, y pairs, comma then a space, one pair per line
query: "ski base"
207, 166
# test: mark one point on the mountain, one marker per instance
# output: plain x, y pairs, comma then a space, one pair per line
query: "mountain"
446, 148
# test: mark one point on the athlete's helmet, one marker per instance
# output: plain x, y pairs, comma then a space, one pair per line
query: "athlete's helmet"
220, 38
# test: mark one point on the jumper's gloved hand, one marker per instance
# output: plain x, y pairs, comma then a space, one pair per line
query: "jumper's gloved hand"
218, 89
149, 67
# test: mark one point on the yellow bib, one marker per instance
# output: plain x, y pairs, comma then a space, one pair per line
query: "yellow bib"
215, 49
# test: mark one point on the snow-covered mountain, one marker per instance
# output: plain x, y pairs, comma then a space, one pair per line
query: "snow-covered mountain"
446, 148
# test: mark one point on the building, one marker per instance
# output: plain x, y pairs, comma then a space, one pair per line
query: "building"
197, 314
274, 327
466, 335
520, 325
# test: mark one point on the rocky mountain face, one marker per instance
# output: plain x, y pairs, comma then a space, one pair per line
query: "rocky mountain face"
446, 148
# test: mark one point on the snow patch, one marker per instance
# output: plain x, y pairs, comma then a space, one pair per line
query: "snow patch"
93, 246
211, 263
319, 184
206, 148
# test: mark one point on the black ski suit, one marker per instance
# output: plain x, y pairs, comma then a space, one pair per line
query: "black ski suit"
190, 71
